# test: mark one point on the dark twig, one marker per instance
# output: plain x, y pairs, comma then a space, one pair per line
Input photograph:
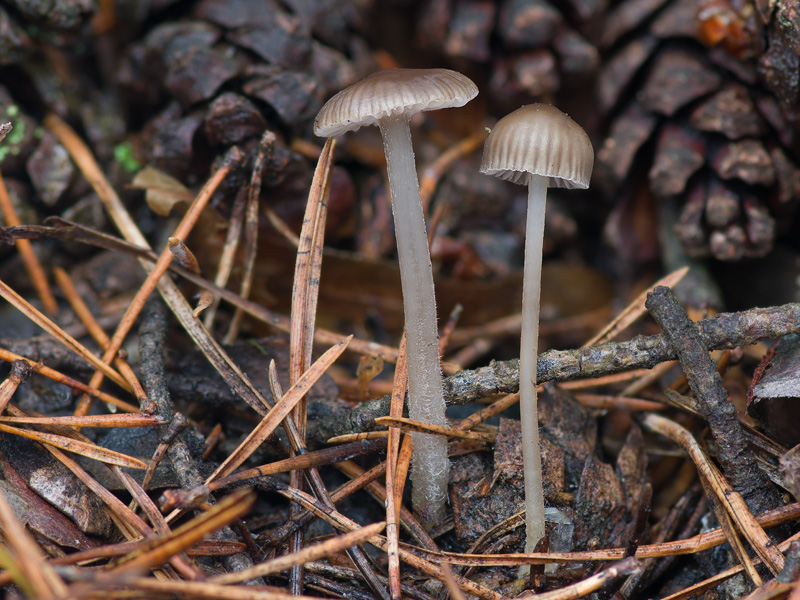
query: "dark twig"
653, 568
20, 370
251, 231
639, 526
153, 333
167, 436
690, 528
737, 461
791, 569
152, 339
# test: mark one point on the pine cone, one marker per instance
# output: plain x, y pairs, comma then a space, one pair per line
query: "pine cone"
228, 71
23, 22
27, 29
529, 48
711, 120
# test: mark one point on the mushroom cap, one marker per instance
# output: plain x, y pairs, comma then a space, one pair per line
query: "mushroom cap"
391, 92
539, 139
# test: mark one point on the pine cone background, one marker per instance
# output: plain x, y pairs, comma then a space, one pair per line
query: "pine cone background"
698, 114
41, 179
689, 101
697, 104
523, 49
225, 72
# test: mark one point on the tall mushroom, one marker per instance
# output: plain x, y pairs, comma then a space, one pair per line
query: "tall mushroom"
538, 146
389, 99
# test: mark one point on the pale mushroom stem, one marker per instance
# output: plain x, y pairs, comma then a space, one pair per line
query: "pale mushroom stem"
430, 464
528, 354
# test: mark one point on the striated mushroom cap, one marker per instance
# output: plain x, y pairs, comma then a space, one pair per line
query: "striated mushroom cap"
392, 92
539, 139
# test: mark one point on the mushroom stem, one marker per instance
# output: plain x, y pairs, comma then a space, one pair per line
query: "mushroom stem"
529, 342
430, 465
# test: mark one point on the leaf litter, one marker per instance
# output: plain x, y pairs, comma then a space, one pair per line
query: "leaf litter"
599, 504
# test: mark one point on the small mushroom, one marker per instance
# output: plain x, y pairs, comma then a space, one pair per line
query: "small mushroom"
389, 99
538, 146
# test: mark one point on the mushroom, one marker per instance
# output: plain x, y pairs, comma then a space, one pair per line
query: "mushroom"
540, 146
389, 99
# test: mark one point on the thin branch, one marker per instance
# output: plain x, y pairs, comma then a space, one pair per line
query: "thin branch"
738, 463
725, 330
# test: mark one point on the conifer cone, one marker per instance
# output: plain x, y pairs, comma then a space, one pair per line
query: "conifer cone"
702, 100
528, 48
37, 172
226, 71
199, 77
31, 35
24, 23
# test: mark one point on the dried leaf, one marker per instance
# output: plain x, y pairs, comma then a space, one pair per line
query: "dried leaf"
162, 191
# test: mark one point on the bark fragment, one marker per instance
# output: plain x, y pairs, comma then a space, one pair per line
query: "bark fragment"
774, 398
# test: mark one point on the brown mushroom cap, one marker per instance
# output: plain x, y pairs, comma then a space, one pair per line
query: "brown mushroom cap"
391, 92
539, 139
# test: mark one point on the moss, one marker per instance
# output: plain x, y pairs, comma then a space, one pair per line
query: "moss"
10, 145
123, 154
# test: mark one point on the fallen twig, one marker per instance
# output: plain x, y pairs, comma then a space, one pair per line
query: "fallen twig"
738, 463
732, 502
725, 330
